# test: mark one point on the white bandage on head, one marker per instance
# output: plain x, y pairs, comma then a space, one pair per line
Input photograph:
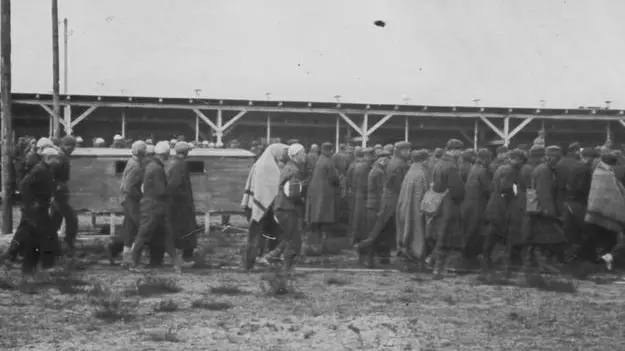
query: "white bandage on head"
162, 148
50, 151
117, 137
44, 142
149, 150
294, 149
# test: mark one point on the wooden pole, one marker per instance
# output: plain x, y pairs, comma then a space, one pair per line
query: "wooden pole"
124, 125
5, 112
268, 129
55, 67
65, 57
197, 128
337, 136
476, 133
406, 129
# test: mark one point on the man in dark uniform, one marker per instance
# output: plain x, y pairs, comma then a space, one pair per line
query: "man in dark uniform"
61, 207
182, 207
154, 225
35, 238
382, 236
132, 178
563, 171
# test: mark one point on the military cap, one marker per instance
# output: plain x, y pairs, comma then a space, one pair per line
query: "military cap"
161, 148
589, 152
359, 152
384, 153
68, 140
368, 151
327, 146
44, 142
403, 145
468, 153
537, 151
484, 154
517, 154
50, 152
389, 147
419, 155
378, 146
553, 151
182, 147
502, 149
438, 153
574, 147
149, 149
454, 144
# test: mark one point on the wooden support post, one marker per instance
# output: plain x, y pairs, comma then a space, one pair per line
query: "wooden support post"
55, 67
82, 115
608, 132
207, 223
67, 118
520, 127
406, 127
219, 132
493, 128
337, 138
197, 128
506, 131
476, 133
124, 125
112, 224
268, 128
365, 126
5, 115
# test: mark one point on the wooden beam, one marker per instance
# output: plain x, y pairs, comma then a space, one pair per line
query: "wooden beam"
206, 120
233, 120
351, 123
365, 126
268, 128
5, 114
476, 133
255, 108
337, 137
83, 116
406, 127
197, 128
55, 118
465, 135
124, 125
379, 124
622, 122
492, 127
520, 127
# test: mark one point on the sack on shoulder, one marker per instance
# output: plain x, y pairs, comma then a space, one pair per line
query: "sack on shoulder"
532, 205
432, 200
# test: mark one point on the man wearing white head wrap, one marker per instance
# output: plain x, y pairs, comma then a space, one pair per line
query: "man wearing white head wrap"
35, 237
98, 142
288, 207
132, 178
154, 224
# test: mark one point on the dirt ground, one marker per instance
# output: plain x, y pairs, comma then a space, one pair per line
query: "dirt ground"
108, 308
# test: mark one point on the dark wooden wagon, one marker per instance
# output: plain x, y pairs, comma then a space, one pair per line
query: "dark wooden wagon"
218, 177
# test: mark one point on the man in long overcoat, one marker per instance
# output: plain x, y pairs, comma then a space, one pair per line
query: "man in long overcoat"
446, 226
477, 192
35, 238
410, 222
576, 229
358, 175
563, 172
181, 206
543, 230
132, 178
504, 193
382, 236
468, 159
311, 159
321, 198
500, 159
154, 224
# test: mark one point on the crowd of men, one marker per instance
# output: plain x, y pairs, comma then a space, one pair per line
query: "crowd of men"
447, 208
157, 201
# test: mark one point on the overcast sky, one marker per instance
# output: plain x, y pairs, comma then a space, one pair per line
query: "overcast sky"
436, 52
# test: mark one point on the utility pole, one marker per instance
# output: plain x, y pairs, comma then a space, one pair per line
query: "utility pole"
5, 114
55, 68
65, 57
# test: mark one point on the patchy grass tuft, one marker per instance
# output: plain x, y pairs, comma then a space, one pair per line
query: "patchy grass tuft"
211, 305
166, 335
151, 285
66, 284
113, 308
168, 305
556, 284
8, 283
333, 280
230, 290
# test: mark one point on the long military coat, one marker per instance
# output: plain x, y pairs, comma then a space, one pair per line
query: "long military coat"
321, 193
357, 180
502, 195
477, 192
181, 206
409, 221
447, 226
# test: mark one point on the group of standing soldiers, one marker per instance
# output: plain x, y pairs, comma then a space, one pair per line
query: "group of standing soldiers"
448, 208
157, 201
43, 174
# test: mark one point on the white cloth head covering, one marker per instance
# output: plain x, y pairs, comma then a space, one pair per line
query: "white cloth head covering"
294, 149
205, 142
149, 150
162, 148
117, 137
182, 147
138, 147
50, 151
44, 142
79, 139
99, 141
173, 141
